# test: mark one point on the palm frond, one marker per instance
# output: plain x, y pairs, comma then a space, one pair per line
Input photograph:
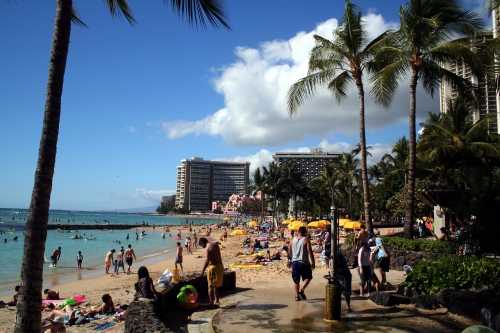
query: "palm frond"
119, 8
196, 10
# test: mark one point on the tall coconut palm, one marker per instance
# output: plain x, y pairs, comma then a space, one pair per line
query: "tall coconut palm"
336, 64
426, 39
349, 175
274, 179
399, 160
294, 181
258, 187
30, 297
329, 178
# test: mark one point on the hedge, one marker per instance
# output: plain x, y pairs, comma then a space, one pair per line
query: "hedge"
420, 245
453, 271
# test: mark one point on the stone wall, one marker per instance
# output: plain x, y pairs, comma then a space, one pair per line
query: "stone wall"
144, 316
398, 258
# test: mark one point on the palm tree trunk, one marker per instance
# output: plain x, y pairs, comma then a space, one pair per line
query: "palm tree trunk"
410, 198
30, 296
362, 143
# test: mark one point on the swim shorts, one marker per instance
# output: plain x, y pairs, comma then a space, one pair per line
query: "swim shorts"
178, 260
300, 270
384, 264
215, 275
129, 261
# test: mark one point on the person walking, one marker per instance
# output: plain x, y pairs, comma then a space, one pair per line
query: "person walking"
178, 257
56, 255
129, 253
383, 257
79, 259
109, 259
215, 272
364, 269
189, 246
302, 262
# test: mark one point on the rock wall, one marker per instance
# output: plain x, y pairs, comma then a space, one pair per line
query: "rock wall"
144, 316
141, 317
398, 258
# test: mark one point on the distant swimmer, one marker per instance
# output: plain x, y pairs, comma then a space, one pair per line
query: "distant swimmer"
5, 240
163, 235
55, 256
127, 236
15, 238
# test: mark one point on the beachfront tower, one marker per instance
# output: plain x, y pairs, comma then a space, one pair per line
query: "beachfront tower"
200, 182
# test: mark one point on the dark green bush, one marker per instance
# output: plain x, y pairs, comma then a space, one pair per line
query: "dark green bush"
452, 271
420, 245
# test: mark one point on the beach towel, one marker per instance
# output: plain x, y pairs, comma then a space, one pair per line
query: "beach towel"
104, 326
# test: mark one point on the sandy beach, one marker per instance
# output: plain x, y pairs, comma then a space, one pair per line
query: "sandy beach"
116, 285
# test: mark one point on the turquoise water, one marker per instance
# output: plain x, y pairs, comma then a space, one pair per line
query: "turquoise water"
93, 251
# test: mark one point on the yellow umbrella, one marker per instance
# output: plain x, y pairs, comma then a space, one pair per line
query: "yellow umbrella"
352, 225
286, 222
296, 226
343, 221
226, 218
253, 223
325, 222
317, 224
239, 232
292, 218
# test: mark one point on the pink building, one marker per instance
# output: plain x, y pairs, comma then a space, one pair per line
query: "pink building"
235, 201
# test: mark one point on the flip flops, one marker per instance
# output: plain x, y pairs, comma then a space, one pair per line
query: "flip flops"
302, 295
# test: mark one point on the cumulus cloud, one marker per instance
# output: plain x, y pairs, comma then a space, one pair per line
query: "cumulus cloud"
255, 85
140, 195
131, 129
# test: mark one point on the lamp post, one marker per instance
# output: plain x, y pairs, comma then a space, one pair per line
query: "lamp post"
333, 289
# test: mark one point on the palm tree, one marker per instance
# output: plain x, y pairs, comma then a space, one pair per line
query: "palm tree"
399, 161
293, 181
274, 179
423, 42
329, 178
337, 64
455, 142
258, 186
349, 175
29, 302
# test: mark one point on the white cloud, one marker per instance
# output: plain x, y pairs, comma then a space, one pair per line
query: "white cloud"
255, 85
140, 195
131, 129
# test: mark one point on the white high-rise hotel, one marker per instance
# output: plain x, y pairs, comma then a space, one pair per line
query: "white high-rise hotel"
491, 102
200, 182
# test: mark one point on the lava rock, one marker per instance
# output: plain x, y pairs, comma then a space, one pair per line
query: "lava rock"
444, 296
468, 304
404, 290
425, 302
490, 315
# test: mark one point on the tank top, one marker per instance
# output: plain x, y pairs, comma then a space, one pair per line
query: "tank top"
299, 253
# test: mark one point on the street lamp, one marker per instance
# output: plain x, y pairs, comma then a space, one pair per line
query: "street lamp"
333, 288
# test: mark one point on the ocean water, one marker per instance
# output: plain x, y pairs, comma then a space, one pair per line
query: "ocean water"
93, 251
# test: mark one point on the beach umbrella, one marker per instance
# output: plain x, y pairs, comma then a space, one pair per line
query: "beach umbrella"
352, 225
317, 224
267, 224
239, 232
325, 222
343, 221
292, 218
227, 219
253, 223
286, 222
296, 225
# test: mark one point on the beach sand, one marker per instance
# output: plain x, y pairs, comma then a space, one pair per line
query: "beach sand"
93, 288
275, 273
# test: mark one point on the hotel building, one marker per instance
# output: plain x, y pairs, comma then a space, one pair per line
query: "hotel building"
490, 103
311, 164
200, 182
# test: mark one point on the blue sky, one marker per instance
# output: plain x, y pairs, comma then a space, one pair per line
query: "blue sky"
137, 100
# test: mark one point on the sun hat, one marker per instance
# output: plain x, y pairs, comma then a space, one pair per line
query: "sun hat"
58, 319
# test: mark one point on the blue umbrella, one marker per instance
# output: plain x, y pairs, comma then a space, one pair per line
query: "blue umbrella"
267, 224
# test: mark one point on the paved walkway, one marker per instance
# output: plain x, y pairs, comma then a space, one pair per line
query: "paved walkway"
272, 308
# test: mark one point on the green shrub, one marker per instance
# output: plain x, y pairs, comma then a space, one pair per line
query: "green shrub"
419, 245
452, 271
349, 240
